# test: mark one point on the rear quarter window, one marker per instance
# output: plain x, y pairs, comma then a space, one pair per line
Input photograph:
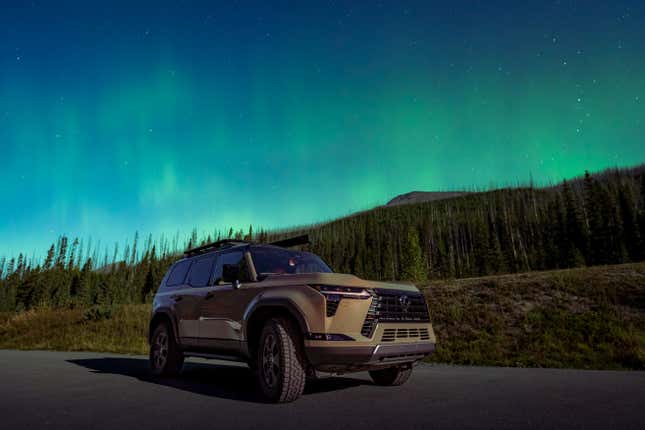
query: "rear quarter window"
178, 273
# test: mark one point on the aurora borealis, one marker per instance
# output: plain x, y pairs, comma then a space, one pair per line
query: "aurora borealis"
159, 117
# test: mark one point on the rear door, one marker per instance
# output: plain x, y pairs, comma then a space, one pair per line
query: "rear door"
183, 303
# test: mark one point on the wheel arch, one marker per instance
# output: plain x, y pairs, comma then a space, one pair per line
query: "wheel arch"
160, 316
262, 310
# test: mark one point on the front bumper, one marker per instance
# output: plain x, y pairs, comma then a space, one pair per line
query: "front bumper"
375, 355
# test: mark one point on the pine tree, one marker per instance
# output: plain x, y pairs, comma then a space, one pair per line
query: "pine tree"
62, 252
72, 255
148, 285
49, 260
575, 232
631, 233
641, 215
412, 263
593, 203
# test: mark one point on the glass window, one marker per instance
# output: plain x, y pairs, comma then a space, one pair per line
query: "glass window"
236, 257
278, 261
200, 272
178, 273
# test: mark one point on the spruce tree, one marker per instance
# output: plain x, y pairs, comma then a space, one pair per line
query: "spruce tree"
49, 260
412, 263
575, 231
593, 204
631, 233
148, 285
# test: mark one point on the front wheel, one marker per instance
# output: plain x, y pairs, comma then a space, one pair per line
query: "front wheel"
391, 376
166, 359
281, 364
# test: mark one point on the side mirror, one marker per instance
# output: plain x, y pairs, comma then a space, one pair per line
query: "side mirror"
231, 274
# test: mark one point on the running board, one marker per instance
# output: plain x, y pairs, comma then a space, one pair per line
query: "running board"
213, 356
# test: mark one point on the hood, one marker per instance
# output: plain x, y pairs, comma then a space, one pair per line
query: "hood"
339, 279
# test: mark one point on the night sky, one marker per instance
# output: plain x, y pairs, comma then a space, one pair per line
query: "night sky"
159, 117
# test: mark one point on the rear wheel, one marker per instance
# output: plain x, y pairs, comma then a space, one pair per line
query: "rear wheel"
165, 357
391, 376
281, 365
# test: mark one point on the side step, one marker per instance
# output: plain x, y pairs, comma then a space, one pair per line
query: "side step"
214, 356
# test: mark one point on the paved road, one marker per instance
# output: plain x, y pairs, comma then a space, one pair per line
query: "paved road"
41, 389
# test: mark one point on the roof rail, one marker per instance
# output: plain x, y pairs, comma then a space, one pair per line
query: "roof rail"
227, 243
292, 241
224, 243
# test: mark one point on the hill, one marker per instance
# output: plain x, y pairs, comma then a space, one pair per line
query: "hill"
423, 196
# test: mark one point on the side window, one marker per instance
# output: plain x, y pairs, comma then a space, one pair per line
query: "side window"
236, 257
178, 273
200, 272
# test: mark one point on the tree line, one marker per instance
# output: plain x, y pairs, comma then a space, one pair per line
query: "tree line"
593, 220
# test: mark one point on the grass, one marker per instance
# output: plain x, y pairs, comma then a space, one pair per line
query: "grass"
121, 329
591, 318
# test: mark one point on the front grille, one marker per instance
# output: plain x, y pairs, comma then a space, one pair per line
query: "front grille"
389, 306
392, 334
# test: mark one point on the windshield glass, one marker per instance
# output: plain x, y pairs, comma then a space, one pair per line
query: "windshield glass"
278, 261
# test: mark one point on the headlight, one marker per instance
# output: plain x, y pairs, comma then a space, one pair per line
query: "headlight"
335, 293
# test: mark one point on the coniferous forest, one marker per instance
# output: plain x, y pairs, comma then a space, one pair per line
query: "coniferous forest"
592, 220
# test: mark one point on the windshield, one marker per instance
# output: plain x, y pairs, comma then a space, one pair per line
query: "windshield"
278, 261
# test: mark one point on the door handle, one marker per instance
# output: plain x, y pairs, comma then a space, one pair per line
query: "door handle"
209, 296
176, 297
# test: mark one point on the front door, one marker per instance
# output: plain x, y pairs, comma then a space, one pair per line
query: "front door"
221, 309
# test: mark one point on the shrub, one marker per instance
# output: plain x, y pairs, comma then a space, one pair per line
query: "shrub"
99, 312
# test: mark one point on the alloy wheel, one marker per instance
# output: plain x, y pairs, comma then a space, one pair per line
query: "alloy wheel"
160, 351
271, 360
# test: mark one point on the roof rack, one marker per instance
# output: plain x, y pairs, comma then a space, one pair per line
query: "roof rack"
292, 241
224, 243
227, 243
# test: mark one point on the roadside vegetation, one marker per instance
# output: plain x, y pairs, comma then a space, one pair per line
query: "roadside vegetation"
117, 328
592, 318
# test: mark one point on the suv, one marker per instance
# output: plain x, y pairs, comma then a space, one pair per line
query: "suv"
287, 315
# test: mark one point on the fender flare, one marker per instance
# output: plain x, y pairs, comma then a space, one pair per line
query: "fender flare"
289, 305
164, 312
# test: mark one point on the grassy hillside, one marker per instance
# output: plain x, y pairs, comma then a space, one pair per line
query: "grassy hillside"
585, 318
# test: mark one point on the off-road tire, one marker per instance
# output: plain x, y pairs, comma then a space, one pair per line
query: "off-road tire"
170, 359
391, 376
281, 364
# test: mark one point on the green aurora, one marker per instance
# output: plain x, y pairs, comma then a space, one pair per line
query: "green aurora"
159, 118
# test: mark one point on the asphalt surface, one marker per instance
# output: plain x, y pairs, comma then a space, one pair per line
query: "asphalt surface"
41, 389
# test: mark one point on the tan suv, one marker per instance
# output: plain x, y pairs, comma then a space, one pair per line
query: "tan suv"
287, 315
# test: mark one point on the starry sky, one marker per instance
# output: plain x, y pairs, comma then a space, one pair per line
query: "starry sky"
158, 117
